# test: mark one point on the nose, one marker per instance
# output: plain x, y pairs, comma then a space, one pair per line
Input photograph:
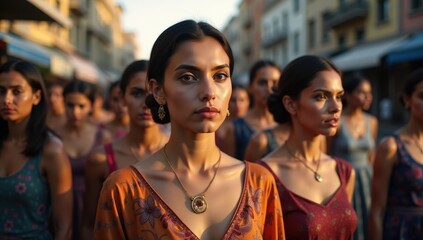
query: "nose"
335, 106
207, 90
8, 98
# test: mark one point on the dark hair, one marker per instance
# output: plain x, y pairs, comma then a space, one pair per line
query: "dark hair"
167, 44
36, 130
130, 71
78, 86
351, 82
259, 65
297, 76
239, 86
112, 86
412, 81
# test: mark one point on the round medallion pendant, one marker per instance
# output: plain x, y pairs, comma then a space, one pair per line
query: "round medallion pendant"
317, 177
198, 204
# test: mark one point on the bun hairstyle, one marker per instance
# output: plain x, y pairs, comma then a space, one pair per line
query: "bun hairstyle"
167, 44
295, 78
130, 71
412, 81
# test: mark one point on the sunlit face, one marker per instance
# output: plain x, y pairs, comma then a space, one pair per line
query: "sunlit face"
16, 97
263, 84
415, 103
362, 96
78, 108
197, 86
319, 106
239, 102
55, 97
116, 103
135, 95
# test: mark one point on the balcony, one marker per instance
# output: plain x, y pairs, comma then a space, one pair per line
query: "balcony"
77, 8
346, 13
275, 38
101, 31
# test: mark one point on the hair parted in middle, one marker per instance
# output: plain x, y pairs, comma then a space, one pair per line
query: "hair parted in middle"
166, 45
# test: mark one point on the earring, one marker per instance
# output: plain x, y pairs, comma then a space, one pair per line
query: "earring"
228, 113
161, 112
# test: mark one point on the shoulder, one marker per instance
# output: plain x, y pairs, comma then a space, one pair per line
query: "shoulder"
120, 179
258, 173
98, 155
370, 118
343, 167
53, 154
387, 148
259, 138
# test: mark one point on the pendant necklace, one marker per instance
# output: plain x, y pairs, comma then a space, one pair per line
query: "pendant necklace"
317, 176
198, 202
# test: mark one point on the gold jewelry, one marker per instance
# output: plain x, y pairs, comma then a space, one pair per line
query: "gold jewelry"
317, 176
228, 113
198, 202
161, 112
416, 141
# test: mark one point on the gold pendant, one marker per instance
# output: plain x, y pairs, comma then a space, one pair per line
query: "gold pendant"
317, 177
198, 204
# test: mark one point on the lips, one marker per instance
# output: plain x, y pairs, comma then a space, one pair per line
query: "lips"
7, 110
332, 121
208, 112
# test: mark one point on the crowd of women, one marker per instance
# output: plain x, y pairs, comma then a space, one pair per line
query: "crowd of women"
184, 154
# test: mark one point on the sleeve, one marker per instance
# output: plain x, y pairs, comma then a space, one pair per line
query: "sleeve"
274, 225
110, 223
344, 169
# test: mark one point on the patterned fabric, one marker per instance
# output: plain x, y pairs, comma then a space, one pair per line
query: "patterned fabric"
404, 212
78, 185
356, 152
110, 156
272, 142
305, 219
129, 208
243, 133
25, 203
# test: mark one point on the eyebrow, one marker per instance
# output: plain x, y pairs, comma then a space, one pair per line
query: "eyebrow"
194, 68
326, 91
14, 86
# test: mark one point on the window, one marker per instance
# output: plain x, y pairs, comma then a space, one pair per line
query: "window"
383, 10
416, 4
359, 35
341, 41
285, 21
296, 43
296, 6
311, 33
325, 32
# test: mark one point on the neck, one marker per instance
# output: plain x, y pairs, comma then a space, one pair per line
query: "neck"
121, 121
75, 128
147, 138
309, 149
17, 131
354, 112
263, 114
415, 127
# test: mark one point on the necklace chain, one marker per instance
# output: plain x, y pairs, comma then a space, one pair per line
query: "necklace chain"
317, 176
198, 202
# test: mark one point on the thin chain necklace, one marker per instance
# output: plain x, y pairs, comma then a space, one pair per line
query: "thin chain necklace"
416, 141
198, 202
317, 176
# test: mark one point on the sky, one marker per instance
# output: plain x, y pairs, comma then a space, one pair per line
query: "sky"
149, 18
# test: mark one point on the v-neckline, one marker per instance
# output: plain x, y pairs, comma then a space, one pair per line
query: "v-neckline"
334, 195
238, 208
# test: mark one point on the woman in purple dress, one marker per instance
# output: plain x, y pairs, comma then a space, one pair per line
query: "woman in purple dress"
315, 189
397, 189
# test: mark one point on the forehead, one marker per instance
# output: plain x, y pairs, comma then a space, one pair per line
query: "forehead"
13, 78
138, 80
77, 97
328, 80
268, 72
206, 52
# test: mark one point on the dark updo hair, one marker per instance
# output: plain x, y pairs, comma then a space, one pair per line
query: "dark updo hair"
167, 44
259, 65
130, 71
295, 78
36, 130
411, 83
85, 88
351, 82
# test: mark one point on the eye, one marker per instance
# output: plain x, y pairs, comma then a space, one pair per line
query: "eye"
2, 91
17, 91
188, 78
137, 93
320, 97
221, 77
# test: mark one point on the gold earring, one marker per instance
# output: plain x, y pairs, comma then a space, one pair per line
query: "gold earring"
161, 112
228, 113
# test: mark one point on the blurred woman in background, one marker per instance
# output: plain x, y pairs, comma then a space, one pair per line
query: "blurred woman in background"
119, 126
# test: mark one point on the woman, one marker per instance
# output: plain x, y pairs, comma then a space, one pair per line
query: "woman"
79, 138
264, 76
239, 104
189, 76
315, 189
119, 126
143, 139
354, 141
397, 189
35, 175
56, 115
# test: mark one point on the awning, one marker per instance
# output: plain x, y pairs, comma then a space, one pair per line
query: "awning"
60, 65
365, 56
34, 10
26, 50
84, 69
409, 50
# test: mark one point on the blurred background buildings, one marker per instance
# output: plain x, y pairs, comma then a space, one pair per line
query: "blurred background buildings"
381, 39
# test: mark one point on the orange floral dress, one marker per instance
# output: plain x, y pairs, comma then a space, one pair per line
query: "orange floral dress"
129, 208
